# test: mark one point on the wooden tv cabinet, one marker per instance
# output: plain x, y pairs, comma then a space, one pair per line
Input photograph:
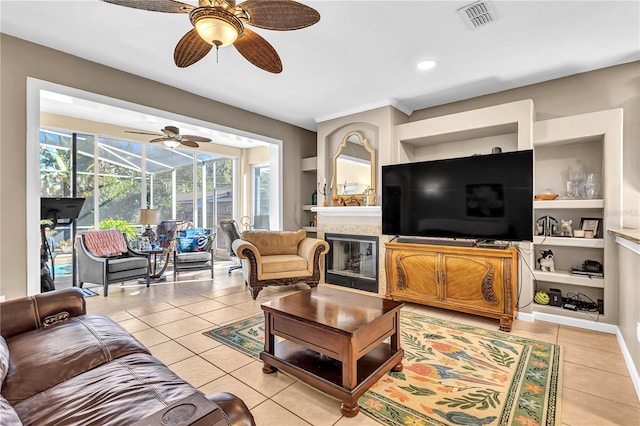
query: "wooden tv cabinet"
480, 281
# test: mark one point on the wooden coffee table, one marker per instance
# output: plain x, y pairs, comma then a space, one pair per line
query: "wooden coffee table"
333, 341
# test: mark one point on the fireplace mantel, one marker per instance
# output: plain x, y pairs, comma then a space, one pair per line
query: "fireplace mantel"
348, 211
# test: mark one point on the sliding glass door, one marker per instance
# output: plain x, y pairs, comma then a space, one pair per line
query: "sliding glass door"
118, 177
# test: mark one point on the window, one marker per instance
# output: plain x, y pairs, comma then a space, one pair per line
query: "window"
261, 198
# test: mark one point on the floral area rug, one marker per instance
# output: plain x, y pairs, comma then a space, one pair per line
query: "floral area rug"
453, 374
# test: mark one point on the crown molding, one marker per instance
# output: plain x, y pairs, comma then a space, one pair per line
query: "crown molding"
368, 107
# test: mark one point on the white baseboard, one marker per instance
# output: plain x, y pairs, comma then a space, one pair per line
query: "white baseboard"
525, 317
633, 370
595, 326
576, 322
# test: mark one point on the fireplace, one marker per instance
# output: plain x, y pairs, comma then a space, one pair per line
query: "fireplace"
352, 261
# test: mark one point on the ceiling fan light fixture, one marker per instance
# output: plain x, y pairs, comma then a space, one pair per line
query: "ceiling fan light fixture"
170, 143
216, 26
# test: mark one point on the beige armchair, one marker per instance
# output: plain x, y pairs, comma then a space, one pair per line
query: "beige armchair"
279, 258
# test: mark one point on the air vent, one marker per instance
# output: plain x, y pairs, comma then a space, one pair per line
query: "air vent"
477, 14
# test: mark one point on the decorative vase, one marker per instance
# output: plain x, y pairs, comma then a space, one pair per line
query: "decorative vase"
314, 197
589, 188
370, 199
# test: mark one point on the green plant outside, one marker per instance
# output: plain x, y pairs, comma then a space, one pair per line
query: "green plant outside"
122, 225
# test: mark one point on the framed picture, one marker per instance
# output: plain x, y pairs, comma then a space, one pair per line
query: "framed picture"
591, 224
144, 243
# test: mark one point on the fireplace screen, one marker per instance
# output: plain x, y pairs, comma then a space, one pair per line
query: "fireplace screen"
352, 261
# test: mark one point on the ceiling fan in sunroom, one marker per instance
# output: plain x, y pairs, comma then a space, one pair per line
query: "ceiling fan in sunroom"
221, 23
172, 138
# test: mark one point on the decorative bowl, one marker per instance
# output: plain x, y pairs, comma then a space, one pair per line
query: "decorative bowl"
547, 197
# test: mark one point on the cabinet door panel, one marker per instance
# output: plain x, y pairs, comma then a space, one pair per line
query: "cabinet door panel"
415, 274
473, 281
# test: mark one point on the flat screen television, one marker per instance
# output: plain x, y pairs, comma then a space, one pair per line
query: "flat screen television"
483, 197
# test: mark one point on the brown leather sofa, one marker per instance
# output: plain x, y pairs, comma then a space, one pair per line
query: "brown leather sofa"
60, 366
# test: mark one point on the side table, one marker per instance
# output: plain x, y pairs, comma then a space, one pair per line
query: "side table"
158, 262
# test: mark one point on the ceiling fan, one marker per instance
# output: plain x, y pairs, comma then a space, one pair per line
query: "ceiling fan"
172, 138
221, 23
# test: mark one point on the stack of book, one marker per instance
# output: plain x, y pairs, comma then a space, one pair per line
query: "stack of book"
579, 271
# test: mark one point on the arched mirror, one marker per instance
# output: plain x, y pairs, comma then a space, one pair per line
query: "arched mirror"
354, 166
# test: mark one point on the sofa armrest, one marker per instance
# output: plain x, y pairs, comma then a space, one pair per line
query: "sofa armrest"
247, 251
193, 410
239, 246
28, 313
307, 247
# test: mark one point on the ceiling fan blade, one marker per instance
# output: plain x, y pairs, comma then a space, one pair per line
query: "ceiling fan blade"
143, 133
190, 49
168, 6
195, 138
158, 140
189, 143
282, 15
258, 51
170, 131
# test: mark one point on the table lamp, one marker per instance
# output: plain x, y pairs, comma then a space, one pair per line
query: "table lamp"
149, 217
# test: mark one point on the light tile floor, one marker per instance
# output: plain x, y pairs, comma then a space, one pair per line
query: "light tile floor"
169, 319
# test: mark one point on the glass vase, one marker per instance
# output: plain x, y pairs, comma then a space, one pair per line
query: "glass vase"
590, 188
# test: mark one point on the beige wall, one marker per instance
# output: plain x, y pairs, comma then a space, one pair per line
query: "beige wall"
629, 316
20, 59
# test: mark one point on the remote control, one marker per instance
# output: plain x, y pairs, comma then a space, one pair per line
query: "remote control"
570, 306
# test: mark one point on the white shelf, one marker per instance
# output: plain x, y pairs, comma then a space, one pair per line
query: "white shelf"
569, 242
309, 164
559, 310
568, 204
307, 207
348, 211
565, 277
310, 228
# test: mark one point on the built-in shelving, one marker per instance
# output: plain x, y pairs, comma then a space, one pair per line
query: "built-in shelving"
566, 277
568, 204
569, 242
309, 164
309, 167
594, 142
559, 310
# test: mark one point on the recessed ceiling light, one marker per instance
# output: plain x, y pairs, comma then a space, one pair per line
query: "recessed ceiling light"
426, 65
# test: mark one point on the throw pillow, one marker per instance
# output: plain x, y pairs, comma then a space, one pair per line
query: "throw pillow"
204, 242
8, 414
194, 232
4, 360
187, 244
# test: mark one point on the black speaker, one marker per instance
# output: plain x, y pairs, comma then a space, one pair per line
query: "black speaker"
555, 297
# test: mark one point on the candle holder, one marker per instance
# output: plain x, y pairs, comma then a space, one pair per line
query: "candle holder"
323, 192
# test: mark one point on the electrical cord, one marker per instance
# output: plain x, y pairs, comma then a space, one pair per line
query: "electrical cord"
583, 306
520, 253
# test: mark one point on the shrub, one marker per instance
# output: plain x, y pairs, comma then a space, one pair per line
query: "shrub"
122, 225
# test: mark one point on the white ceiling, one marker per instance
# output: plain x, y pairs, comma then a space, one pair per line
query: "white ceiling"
361, 55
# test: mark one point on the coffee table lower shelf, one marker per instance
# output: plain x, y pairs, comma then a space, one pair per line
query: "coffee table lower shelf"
325, 373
